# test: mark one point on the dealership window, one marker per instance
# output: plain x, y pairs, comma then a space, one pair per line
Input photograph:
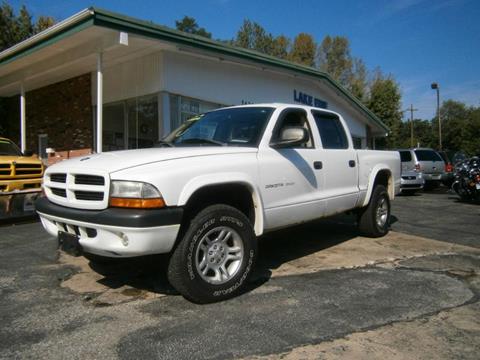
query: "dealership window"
183, 108
130, 124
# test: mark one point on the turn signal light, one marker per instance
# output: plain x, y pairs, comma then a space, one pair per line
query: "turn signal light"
137, 203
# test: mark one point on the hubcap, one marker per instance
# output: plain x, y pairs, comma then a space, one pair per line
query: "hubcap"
382, 212
219, 255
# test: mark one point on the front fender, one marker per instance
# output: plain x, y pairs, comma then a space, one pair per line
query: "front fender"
201, 181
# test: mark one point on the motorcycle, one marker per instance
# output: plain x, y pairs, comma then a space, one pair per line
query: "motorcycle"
467, 179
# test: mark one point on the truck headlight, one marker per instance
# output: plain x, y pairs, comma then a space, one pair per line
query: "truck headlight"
135, 194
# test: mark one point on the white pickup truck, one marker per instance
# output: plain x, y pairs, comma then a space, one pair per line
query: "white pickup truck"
211, 187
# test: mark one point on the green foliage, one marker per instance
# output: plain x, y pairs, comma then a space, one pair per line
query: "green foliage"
385, 101
303, 50
334, 58
189, 25
253, 36
460, 127
281, 47
16, 28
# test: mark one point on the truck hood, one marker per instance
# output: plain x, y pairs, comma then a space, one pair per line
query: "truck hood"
20, 159
120, 160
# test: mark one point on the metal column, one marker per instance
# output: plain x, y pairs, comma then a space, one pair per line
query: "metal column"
99, 102
23, 133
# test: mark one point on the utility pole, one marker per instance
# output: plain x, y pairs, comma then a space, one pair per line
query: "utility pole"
411, 109
436, 87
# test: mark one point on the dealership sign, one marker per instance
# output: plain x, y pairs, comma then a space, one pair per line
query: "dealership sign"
306, 99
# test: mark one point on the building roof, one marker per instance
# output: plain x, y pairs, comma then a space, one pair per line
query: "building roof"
98, 17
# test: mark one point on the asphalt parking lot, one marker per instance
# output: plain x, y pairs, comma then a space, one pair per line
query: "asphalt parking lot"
319, 291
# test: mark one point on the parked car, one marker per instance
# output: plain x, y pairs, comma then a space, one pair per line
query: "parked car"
448, 175
412, 179
217, 183
431, 164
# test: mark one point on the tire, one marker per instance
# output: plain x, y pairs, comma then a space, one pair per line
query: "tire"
215, 256
374, 219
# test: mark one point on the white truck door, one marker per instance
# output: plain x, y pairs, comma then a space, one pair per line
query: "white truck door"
290, 178
340, 163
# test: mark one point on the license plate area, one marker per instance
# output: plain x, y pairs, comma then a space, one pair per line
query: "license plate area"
69, 243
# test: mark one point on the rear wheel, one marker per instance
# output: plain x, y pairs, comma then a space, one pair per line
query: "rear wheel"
374, 220
215, 257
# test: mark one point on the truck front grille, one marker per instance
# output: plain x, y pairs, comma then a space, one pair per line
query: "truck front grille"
5, 169
89, 180
58, 178
59, 192
89, 195
78, 190
28, 169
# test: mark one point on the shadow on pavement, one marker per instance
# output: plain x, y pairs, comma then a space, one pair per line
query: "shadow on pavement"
149, 273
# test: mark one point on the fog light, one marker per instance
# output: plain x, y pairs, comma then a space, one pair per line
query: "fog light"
124, 239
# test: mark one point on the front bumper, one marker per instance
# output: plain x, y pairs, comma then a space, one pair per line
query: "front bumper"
15, 185
114, 232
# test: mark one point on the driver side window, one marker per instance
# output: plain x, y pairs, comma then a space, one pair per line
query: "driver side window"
293, 117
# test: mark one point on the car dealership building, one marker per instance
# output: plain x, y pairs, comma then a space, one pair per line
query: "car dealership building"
149, 79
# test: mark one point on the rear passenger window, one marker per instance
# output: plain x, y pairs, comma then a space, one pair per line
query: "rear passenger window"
405, 156
427, 155
331, 131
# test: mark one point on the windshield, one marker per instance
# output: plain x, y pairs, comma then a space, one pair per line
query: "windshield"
8, 148
232, 127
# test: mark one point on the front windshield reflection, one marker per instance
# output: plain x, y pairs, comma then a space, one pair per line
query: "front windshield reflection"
226, 127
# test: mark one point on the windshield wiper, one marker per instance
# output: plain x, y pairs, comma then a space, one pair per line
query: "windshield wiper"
161, 143
202, 140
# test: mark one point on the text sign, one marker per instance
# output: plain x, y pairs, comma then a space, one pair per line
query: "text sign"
306, 99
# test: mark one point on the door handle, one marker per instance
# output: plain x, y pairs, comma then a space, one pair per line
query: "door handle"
351, 163
317, 165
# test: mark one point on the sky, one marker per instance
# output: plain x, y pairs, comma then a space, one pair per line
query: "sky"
416, 41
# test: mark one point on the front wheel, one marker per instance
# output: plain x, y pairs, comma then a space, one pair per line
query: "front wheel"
215, 257
374, 220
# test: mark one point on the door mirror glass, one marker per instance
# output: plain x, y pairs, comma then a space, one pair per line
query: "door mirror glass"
291, 136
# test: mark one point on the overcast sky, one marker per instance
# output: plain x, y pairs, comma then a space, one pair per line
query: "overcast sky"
417, 41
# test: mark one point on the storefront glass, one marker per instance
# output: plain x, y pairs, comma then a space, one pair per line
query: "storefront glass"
130, 124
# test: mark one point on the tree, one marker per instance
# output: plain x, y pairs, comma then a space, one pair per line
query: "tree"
384, 101
281, 47
43, 22
357, 83
189, 25
253, 36
14, 29
334, 58
303, 50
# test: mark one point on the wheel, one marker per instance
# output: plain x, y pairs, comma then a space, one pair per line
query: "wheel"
374, 219
215, 257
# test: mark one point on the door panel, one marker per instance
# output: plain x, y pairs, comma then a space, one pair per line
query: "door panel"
290, 186
340, 163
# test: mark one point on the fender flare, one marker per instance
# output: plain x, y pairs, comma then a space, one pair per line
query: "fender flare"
202, 181
371, 181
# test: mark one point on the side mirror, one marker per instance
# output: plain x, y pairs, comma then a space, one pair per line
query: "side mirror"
28, 153
291, 136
